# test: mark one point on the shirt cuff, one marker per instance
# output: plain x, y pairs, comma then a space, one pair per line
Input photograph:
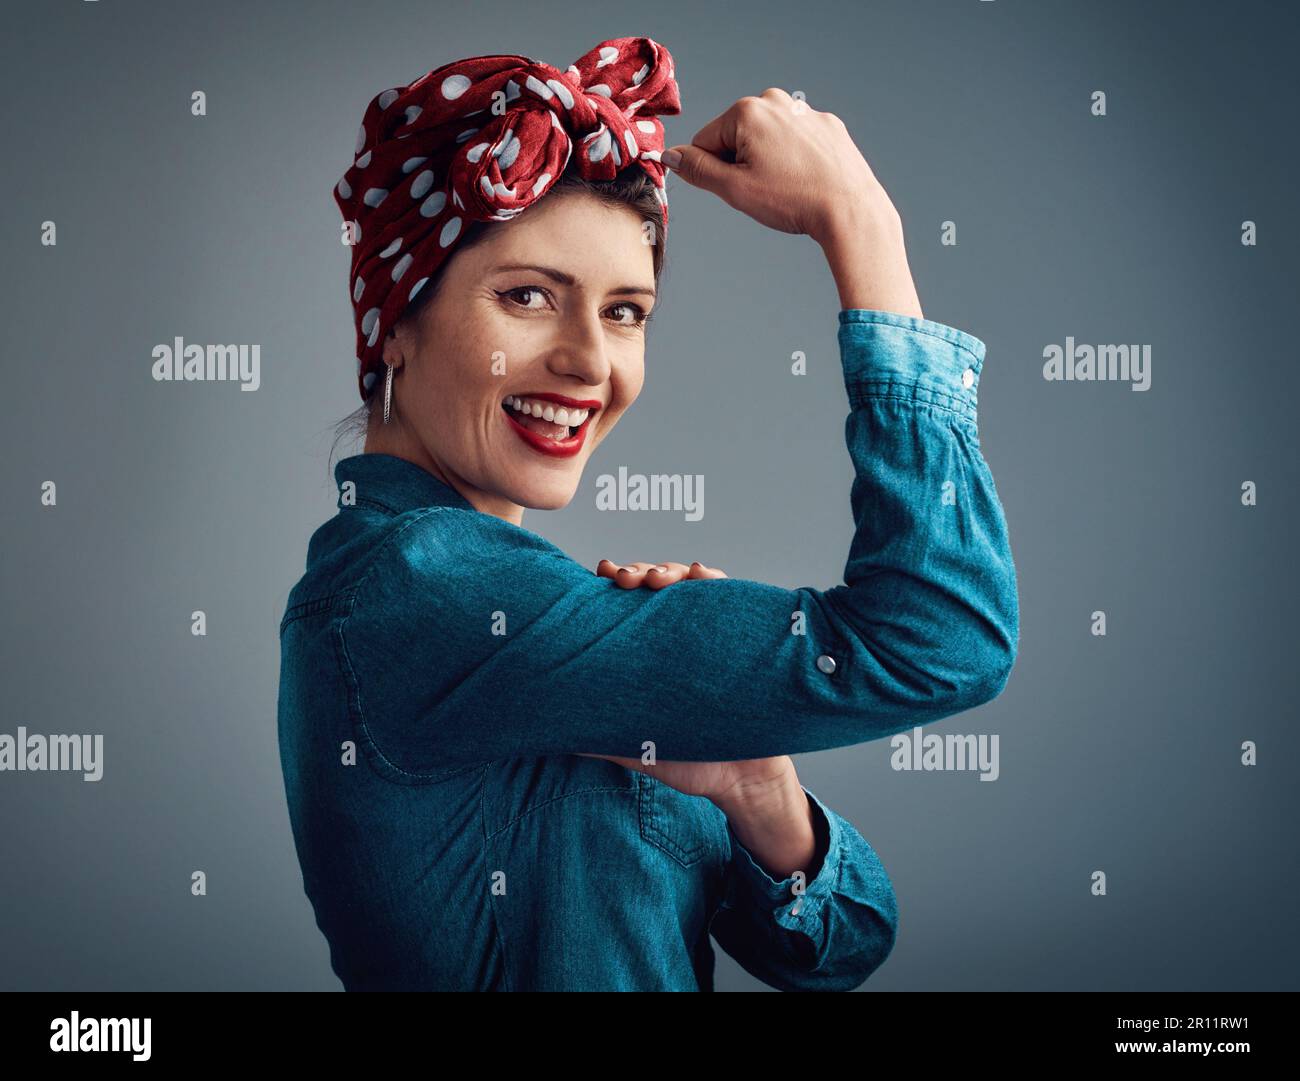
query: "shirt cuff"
888, 355
794, 911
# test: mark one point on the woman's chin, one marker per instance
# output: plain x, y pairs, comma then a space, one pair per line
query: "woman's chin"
554, 493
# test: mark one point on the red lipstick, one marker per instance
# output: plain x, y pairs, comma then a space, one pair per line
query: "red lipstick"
555, 448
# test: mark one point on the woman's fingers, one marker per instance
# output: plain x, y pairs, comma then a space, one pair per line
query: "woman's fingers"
699, 570
653, 575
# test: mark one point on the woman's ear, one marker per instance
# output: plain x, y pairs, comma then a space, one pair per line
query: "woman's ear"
397, 343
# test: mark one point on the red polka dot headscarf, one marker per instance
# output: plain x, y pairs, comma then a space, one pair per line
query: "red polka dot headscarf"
481, 139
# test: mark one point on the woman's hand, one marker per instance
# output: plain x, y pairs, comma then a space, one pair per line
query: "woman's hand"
748, 783
653, 575
793, 168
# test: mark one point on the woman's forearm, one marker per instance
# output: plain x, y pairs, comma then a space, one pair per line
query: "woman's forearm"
868, 260
776, 826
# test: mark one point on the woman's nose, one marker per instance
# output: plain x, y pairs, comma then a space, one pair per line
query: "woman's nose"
581, 350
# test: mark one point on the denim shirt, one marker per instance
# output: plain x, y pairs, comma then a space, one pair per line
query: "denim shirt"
441, 667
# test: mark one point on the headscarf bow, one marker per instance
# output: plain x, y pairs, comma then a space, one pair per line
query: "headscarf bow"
482, 139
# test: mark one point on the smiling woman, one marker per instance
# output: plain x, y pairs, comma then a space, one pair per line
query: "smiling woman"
634, 193
505, 771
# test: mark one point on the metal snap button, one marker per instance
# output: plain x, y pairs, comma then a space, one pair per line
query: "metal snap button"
826, 663
968, 378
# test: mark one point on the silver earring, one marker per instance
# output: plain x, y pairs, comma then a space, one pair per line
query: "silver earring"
388, 392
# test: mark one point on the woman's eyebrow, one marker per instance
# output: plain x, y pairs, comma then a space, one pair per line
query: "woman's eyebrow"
568, 279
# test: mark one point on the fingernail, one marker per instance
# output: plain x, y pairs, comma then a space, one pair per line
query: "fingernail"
630, 570
664, 569
671, 158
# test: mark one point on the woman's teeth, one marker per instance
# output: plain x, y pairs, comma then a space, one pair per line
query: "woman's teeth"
546, 418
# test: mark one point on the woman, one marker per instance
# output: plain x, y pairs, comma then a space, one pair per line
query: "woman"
504, 771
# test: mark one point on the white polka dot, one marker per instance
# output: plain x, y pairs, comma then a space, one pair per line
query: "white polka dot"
391, 249
412, 111
640, 75
402, 265
412, 163
361, 139
453, 86
542, 181
368, 320
421, 184
562, 92
646, 126
632, 148
634, 106
369, 380
538, 87
364, 160
653, 155
433, 205
345, 189
415, 289
374, 335
598, 146
512, 90
602, 89
507, 150
357, 290
455, 198
486, 183
465, 134
474, 153
387, 98
374, 196
608, 54
450, 231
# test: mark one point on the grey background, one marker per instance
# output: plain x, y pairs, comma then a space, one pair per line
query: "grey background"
1119, 753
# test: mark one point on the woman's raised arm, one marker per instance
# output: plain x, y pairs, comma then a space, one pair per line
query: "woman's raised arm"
472, 638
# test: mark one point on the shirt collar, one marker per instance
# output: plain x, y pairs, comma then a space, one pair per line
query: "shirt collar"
395, 484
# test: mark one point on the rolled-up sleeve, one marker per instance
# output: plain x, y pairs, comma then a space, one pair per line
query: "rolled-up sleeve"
501, 645
828, 933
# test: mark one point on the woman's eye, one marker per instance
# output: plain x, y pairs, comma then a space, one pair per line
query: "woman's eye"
639, 315
520, 295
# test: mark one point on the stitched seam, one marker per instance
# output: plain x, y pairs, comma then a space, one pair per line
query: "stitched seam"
351, 669
492, 907
347, 656
554, 799
367, 501
915, 330
938, 399
303, 609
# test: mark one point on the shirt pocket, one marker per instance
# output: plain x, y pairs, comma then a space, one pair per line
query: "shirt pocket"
685, 827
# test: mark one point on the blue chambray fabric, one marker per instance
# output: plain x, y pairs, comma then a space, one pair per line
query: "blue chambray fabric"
462, 844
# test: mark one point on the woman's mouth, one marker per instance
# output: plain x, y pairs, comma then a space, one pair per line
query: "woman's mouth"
550, 427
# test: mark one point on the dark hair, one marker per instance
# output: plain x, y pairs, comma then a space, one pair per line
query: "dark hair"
632, 188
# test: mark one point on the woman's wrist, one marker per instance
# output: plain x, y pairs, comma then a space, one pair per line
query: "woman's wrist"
868, 260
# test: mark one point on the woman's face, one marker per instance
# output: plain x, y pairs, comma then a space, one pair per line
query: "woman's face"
546, 304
